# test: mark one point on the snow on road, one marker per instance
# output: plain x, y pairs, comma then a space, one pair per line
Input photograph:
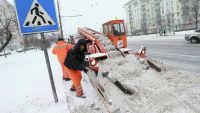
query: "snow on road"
173, 50
25, 88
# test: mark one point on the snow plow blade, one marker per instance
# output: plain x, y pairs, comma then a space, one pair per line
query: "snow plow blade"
153, 66
93, 80
118, 84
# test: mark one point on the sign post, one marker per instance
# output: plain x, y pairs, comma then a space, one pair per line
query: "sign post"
49, 67
38, 16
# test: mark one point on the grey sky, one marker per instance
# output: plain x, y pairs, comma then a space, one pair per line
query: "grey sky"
95, 12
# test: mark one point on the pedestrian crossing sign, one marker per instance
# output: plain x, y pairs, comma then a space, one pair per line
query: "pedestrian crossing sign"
36, 16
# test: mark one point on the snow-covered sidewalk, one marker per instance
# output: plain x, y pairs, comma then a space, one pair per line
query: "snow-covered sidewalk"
25, 85
176, 36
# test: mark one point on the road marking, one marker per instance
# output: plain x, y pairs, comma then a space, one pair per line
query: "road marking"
175, 54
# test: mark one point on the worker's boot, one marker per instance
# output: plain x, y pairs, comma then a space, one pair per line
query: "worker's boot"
79, 93
72, 88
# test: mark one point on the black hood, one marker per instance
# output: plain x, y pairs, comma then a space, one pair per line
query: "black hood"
81, 42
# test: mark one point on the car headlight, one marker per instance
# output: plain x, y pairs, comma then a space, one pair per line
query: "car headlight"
93, 63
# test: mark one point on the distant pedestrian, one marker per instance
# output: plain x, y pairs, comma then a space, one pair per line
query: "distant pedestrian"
60, 50
164, 32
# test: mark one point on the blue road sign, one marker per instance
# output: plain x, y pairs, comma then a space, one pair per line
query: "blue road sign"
36, 16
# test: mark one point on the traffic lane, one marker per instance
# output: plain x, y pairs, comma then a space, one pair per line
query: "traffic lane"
178, 54
185, 50
189, 63
173, 47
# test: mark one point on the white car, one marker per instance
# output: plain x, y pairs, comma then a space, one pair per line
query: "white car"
193, 37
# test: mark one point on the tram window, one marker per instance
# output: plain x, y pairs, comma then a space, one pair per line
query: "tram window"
122, 28
118, 29
105, 29
110, 29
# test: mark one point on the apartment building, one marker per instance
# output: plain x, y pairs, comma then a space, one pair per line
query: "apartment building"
153, 16
133, 15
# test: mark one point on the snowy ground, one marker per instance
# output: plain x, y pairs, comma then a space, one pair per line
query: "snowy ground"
171, 91
25, 86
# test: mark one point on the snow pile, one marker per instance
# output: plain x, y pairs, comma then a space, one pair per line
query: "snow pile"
177, 36
171, 91
155, 38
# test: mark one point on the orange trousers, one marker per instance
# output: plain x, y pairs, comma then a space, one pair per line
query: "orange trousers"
76, 77
64, 71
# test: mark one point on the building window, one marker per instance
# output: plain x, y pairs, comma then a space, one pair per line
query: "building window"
172, 15
177, 7
178, 14
105, 29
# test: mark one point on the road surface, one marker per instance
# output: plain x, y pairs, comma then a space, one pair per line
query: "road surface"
173, 52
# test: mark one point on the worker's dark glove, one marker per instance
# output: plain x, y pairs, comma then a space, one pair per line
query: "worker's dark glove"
85, 70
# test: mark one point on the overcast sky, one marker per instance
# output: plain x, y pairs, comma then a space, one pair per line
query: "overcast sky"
95, 12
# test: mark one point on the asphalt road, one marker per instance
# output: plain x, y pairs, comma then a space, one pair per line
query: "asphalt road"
176, 53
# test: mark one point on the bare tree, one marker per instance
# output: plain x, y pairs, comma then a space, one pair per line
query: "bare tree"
195, 11
32, 41
7, 23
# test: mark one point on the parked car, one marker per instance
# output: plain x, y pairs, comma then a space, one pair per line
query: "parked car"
193, 37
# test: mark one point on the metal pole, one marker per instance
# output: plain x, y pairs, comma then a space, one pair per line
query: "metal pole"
49, 67
61, 27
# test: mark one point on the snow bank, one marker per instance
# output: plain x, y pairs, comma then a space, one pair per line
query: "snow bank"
171, 91
177, 36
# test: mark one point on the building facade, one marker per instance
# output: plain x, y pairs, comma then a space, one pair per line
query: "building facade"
155, 16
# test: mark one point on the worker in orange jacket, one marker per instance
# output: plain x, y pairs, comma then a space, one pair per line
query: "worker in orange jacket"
75, 63
61, 48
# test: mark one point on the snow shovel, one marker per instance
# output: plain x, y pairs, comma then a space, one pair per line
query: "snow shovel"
118, 84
